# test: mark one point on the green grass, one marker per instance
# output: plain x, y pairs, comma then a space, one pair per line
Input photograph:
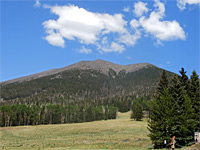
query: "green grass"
121, 133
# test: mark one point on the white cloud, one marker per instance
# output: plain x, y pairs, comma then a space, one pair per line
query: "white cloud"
104, 40
55, 39
126, 9
46, 6
140, 8
114, 47
77, 23
161, 30
109, 33
134, 24
129, 39
182, 3
84, 50
37, 3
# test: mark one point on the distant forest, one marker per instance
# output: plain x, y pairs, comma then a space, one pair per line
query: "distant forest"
77, 96
35, 113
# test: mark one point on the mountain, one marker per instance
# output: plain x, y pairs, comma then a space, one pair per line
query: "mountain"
92, 80
99, 65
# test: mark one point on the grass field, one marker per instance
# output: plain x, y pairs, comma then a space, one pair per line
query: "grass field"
121, 133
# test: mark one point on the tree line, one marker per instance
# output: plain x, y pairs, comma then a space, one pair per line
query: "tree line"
23, 114
37, 111
175, 111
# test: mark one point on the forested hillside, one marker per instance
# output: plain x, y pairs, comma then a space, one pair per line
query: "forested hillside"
86, 84
78, 91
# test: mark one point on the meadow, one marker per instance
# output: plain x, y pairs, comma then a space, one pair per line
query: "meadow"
121, 133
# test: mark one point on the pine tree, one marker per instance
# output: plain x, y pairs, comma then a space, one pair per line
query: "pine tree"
159, 123
183, 122
137, 111
163, 83
184, 81
161, 119
195, 96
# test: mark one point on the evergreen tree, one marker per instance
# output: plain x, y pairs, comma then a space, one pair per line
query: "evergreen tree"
137, 111
195, 96
161, 119
184, 81
172, 112
184, 122
163, 83
162, 110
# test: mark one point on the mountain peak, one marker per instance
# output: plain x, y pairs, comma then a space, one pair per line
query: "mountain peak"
100, 60
99, 65
104, 66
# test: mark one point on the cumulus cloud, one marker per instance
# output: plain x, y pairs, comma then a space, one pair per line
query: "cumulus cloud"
140, 8
109, 33
161, 30
130, 39
87, 27
126, 9
134, 23
113, 47
182, 3
55, 39
110, 46
37, 3
84, 50
78, 23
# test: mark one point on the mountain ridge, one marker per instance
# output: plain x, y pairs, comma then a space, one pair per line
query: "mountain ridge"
99, 65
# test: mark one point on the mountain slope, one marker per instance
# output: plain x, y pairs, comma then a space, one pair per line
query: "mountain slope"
86, 80
99, 65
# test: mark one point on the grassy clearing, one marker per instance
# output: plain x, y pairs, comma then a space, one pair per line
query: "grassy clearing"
121, 133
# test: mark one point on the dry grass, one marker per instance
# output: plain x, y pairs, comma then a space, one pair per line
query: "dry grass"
121, 133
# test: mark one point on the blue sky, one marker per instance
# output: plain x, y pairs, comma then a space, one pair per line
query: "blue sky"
40, 35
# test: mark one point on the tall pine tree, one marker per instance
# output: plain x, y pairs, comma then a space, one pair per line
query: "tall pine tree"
195, 96
163, 83
158, 124
184, 122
